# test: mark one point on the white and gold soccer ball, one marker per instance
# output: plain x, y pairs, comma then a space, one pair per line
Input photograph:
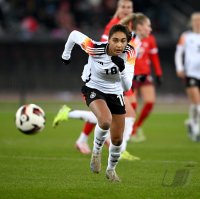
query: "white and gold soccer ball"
30, 119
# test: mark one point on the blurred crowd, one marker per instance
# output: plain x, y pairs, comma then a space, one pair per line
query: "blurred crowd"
26, 19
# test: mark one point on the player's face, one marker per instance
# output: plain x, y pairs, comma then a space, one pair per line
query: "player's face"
144, 29
196, 23
125, 8
117, 43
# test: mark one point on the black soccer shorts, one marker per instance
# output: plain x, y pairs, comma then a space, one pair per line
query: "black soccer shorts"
191, 82
114, 102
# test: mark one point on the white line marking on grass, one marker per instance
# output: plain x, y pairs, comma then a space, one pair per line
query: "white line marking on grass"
86, 158
171, 161
40, 158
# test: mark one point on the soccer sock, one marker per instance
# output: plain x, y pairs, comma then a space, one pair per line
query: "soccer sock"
143, 115
114, 155
82, 138
87, 116
88, 127
100, 136
194, 116
129, 122
193, 112
134, 105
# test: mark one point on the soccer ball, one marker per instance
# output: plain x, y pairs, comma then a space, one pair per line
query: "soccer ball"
30, 119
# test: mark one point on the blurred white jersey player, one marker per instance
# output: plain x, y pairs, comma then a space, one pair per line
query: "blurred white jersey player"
187, 59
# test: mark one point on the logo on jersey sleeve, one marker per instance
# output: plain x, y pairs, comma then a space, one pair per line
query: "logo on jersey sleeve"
87, 45
93, 48
131, 56
181, 40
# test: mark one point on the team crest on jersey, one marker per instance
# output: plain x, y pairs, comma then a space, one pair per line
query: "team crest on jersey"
192, 82
92, 95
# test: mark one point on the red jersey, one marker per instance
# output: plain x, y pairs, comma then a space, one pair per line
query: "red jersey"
148, 53
110, 24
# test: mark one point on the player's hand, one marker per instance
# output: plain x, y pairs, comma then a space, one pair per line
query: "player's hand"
159, 80
119, 62
65, 61
181, 74
140, 78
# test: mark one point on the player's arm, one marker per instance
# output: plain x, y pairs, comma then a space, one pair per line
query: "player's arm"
179, 57
126, 68
127, 76
154, 56
126, 20
155, 60
79, 38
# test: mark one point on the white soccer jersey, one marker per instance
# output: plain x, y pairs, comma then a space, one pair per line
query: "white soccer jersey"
189, 45
104, 74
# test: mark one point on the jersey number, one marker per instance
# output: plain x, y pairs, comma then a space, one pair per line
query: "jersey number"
111, 71
121, 99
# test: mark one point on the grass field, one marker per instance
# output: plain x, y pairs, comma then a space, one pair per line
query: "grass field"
47, 165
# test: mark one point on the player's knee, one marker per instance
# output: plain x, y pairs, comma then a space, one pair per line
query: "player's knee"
105, 122
117, 141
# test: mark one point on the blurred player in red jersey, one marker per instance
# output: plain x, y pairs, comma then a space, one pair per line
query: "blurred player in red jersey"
147, 56
143, 81
124, 8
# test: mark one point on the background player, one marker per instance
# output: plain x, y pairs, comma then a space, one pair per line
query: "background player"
143, 82
188, 69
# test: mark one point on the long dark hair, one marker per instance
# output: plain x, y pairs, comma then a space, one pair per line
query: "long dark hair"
120, 28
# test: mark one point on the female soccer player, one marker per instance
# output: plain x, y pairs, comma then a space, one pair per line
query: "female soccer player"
143, 81
142, 28
189, 70
112, 67
124, 8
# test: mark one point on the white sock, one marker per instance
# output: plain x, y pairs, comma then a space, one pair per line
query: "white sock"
100, 136
114, 155
82, 138
129, 122
194, 115
192, 112
87, 116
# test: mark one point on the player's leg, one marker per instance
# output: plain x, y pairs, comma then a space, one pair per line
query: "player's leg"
62, 115
104, 117
82, 141
148, 95
116, 134
129, 121
65, 112
90, 119
194, 112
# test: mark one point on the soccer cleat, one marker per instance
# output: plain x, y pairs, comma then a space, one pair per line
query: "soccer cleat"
95, 163
112, 176
62, 115
138, 137
189, 128
193, 131
125, 155
83, 147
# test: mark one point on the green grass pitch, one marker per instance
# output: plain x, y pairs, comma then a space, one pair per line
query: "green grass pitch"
47, 165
